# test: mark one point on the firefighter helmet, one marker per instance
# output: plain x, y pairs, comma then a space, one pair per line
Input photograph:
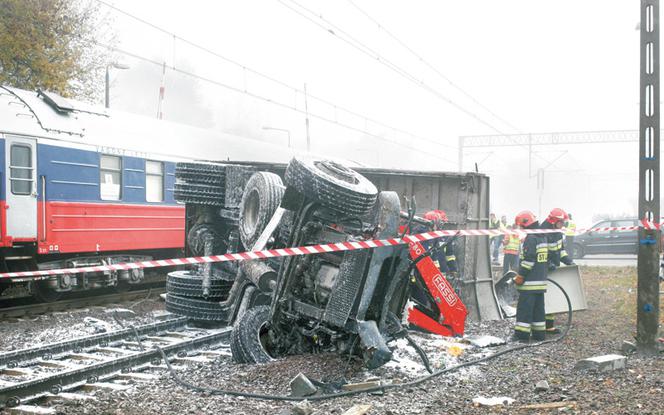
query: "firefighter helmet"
436, 216
557, 215
525, 218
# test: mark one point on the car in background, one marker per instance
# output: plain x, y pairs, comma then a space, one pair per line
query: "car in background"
607, 242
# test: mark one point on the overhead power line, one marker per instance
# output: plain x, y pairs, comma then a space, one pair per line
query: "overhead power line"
349, 39
269, 100
357, 44
245, 68
430, 66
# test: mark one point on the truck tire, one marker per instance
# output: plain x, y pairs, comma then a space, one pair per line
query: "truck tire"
333, 185
260, 199
201, 173
249, 332
196, 309
236, 351
185, 284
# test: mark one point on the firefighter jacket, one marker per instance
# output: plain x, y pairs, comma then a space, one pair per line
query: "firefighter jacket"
534, 263
511, 243
557, 253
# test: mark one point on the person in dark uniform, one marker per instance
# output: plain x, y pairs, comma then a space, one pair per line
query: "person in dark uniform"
531, 282
557, 253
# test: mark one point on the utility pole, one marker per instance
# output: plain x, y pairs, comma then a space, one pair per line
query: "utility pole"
647, 313
306, 118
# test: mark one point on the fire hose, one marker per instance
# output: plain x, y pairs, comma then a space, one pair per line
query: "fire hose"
381, 388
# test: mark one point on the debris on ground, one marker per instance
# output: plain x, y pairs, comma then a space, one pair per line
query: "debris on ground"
541, 386
302, 386
357, 410
493, 401
302, 408
603, 363
361, 385
97, 325
599, 330
485, 340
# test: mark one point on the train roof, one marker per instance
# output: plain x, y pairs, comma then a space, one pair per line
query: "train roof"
47, 115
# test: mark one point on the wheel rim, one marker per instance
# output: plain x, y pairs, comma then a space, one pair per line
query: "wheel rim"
264, 338
338, 171
251, 210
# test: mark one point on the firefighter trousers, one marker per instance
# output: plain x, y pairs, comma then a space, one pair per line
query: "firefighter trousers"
530, 316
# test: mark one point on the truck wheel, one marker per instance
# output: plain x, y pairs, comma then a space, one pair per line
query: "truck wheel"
249, 337
260, 199
196, 309
577, 251
333, 185
185, 284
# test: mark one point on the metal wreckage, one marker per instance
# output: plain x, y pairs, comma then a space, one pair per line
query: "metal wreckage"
353, 302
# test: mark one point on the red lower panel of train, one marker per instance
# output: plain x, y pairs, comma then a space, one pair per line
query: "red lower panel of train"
70, 227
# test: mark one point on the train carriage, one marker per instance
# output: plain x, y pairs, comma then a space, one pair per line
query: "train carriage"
81, 185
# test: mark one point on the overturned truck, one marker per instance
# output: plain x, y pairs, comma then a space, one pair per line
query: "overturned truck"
350, 302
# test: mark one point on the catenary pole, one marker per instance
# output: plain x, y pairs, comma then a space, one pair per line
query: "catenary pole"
647, 314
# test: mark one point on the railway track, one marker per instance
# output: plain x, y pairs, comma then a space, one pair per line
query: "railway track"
67, 369
69, 304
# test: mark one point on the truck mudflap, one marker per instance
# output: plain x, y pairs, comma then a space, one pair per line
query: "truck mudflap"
569, 278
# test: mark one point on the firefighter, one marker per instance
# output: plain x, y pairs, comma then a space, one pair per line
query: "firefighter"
531, 281
511, 243
445, 261
557, 253
570, 231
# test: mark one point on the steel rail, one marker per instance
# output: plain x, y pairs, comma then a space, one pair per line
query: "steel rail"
14, 358
17, 393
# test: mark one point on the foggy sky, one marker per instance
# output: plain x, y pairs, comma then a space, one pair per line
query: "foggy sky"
540, 66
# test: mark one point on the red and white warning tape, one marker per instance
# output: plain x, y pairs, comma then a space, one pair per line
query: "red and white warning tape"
268, 253
302, 250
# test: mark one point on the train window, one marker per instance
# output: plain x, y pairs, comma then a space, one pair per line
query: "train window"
110, 177
20, 166
154, 181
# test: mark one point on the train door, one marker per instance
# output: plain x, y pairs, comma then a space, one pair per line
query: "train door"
21, 187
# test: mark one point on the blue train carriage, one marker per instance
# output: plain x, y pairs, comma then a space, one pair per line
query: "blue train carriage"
82, 186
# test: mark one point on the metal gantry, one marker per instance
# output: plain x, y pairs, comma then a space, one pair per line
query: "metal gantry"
647, 315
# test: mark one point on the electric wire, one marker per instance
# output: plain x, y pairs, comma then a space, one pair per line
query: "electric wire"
270, 101
381, 388
382, 60
356, 44
431, 66
268, 77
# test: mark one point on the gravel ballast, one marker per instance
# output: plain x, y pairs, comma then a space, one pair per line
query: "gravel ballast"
601, 330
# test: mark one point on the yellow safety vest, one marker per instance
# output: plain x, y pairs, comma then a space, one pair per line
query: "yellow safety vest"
512, 245
571, 228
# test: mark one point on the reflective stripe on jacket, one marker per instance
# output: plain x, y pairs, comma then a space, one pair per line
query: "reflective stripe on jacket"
534, 263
